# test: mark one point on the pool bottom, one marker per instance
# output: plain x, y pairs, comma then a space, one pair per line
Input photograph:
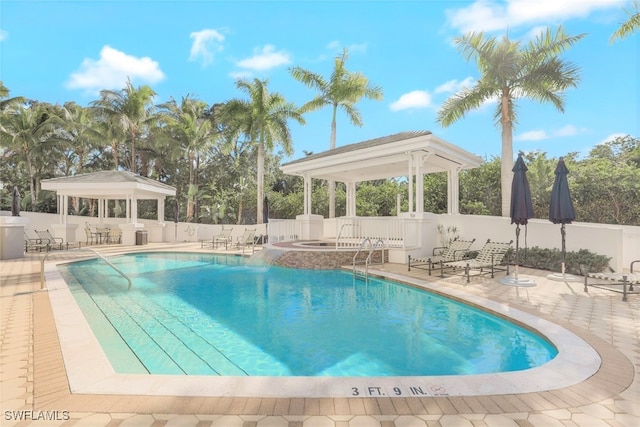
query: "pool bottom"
90, 372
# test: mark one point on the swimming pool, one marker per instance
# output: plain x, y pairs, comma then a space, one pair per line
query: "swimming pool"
199, 314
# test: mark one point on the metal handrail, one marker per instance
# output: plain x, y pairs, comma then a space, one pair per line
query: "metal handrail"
340, 232
373, 248
366, 262
80, 249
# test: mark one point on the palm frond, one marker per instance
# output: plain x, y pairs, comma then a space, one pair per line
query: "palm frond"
630, 26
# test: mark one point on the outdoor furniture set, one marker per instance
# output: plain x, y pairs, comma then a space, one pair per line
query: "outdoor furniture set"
616, 282
45, 241
456, 258
248, 239
102, 233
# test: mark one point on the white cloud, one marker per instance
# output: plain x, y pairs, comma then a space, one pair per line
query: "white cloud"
539, 135
206, 44
265, 58
112, 70
414, 99
453, 86
491, 15
612, 137
237, 75
532, 135
3, 35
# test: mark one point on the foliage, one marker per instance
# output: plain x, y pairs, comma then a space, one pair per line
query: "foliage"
631, 25
551, 260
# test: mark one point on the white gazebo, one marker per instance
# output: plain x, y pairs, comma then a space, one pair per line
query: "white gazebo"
405, 154
411, 154
105, 186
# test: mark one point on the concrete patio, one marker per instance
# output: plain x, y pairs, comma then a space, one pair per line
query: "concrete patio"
34, 382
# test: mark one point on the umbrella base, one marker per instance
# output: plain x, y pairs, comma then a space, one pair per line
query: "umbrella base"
524, 282
560, 277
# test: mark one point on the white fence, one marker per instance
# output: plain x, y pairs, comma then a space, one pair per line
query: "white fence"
352, 231
283, 230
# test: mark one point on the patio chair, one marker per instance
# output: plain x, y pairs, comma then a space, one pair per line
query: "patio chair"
115, 235
489, 257
223, 238
102, 231
92, 236
456, 251
616, 282
248, 238
47, 238
31, 243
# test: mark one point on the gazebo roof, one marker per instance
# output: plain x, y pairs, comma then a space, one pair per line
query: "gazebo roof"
384, 157
108, 185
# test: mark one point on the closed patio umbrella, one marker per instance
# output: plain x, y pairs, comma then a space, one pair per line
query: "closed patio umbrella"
521, 211
15, 202
561, 212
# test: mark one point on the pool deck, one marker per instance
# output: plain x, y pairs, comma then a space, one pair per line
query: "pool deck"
34, 381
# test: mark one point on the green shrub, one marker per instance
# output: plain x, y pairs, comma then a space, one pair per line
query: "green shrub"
551, 259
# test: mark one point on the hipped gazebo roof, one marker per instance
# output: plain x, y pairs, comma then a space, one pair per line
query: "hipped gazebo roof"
384, 157
108, 185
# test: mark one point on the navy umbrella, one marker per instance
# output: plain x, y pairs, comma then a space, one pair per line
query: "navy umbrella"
521, 205
561, 207
15, 202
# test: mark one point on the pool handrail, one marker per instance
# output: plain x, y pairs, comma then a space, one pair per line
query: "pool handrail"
80, 249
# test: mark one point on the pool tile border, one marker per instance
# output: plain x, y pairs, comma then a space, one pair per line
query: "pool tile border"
89, 371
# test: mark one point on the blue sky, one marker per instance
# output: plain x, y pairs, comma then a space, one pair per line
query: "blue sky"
59, 51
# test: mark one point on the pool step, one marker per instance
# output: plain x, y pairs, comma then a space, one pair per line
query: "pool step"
138, 320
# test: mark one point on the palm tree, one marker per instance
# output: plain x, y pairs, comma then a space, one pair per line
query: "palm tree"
132, 110
343, 90
4, 93
263, 120
630, 26
510, 72
23, 131
189, 126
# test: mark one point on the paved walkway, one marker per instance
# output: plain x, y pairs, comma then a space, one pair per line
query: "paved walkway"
34, 385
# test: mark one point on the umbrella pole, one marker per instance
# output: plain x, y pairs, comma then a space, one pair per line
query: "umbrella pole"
517, 250
563, 232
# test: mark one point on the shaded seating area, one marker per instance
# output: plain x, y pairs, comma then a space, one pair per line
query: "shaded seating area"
488, 260
102, 233
616, 282
456, 251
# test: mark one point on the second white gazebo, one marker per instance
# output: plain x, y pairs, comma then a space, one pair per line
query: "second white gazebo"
105, 186
411, 154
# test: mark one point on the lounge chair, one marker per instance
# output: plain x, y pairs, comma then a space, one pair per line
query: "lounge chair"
31, 243
614, 280
223, 238
489, 257
457, 250
47, 238
248, 238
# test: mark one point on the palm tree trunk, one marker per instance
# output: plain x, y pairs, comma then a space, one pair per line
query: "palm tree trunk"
260, 182
190, 202
332, 184
506, 164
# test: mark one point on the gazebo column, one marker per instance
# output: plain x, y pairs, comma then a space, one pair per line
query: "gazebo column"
64, 230
453, 191
351, 198
307, 194
161, 210
418, 161
410, 176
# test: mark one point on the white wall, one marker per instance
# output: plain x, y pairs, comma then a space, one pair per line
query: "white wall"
621, 243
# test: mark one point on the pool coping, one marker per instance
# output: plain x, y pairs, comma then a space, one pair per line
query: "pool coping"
89, 371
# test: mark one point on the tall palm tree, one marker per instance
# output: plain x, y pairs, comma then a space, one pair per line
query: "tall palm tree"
510, 72
189, 125
629, 26
132, 110
263, 119
343, 90
4, 93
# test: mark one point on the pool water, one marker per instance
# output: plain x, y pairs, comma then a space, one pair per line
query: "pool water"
201, 314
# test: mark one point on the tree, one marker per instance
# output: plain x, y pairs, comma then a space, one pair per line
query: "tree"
263, 120
189, 125
131, 110
343, 90
630, 26
510, 72
4, 93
